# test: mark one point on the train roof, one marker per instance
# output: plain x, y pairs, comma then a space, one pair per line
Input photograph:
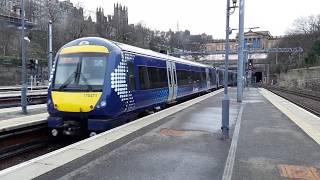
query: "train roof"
148, 52
112, 45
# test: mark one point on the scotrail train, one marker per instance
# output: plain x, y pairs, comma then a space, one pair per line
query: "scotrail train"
96, 84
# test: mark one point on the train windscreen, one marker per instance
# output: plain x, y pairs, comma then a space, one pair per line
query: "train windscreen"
80, 72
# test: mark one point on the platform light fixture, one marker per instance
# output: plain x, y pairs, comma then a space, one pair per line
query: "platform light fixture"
234, 3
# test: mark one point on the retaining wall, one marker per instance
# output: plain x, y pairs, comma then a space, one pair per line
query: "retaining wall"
304, 78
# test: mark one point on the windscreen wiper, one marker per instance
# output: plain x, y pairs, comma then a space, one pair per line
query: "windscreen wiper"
68, 81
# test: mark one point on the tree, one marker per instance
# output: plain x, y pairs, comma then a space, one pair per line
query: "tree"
7, 37
304, 33
313, 57
53, 11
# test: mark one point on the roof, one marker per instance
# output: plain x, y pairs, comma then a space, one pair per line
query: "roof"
112, 45
148, 52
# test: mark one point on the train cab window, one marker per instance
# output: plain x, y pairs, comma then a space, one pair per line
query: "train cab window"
132, 83
92, 70
80, 72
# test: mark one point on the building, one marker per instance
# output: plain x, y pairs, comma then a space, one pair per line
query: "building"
260, 40
255, 40
219, 45
112, 25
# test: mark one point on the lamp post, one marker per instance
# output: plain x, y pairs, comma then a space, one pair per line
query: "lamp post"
226, 99
49, 49
240, 52
23, 59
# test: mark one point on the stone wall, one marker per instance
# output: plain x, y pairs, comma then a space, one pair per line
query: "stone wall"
304, 78
11, 75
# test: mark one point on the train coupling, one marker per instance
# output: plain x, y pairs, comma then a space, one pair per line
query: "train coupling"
71, 131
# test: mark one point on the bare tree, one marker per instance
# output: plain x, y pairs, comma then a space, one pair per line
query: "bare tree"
306, 25
305, 33
53, 11
7, 37
76, 26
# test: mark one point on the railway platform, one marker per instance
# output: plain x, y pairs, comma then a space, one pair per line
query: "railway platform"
18, 88
15, 112
271, 138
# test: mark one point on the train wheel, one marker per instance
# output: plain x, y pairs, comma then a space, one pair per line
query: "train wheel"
92, 133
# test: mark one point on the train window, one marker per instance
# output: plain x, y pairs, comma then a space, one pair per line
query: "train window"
184, 77
132, 83
208, 75
169, 77
163, 77
213, 77
190, 73
203, 77
92, 70
196, 77
144, 77
152, 77
158, 77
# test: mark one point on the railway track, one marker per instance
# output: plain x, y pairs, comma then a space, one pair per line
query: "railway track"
5, 89
307, 100
12, 101
27, 143
22, 140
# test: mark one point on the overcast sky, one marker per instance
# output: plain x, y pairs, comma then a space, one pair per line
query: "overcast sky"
208, 16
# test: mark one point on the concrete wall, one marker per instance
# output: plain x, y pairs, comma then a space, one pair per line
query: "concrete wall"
304, 78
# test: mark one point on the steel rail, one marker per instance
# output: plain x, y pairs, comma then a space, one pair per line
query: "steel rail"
283, 92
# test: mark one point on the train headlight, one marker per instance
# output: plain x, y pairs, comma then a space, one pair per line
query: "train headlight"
103, 103
49, 101
54, 132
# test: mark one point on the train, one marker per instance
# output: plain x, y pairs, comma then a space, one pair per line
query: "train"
96, 84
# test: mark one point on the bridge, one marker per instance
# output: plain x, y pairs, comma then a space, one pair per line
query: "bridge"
14, 21
250, 51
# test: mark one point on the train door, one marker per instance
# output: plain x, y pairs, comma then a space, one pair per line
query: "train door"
207, 78
172, 81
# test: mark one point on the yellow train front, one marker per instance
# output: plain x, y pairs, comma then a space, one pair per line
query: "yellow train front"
97, 84
78, 87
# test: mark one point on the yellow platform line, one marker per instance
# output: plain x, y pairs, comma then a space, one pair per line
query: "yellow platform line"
307, 121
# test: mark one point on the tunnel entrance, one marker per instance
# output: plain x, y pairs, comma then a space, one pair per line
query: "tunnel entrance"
258, 76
